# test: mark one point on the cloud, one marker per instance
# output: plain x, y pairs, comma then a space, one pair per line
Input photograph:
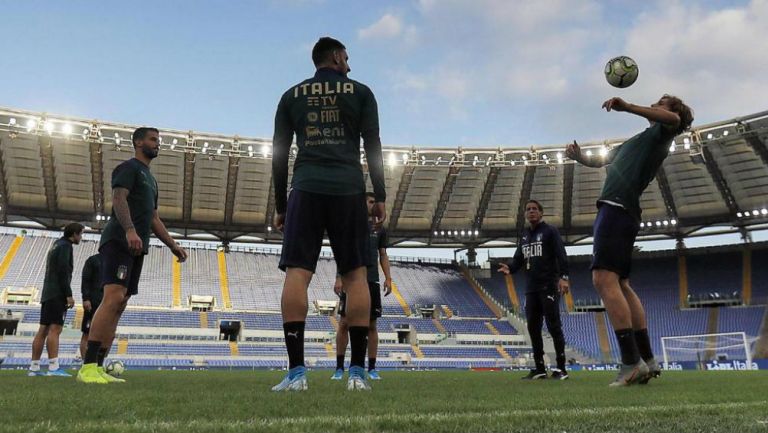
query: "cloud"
388, 26
713, 59
536, 68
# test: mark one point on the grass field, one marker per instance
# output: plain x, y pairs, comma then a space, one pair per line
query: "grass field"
216, 401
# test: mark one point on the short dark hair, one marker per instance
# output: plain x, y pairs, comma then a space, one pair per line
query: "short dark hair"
538, 205
73, 228
140, 133
370, 195
323, 49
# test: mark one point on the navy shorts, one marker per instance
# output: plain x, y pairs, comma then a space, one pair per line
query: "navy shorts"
53, 312
310, 215
119, 266
614, 240
375, 289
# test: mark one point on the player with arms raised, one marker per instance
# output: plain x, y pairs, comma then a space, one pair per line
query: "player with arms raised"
631, 167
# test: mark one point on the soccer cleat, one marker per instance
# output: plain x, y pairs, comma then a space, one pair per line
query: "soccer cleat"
356, 381
558, 374
58, 373
109, 377
295, 380
654, 371
31, 373
630, 374
535, 374
89, 373
374, 374
338, 374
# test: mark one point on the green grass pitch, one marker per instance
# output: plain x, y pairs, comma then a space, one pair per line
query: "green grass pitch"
437, 401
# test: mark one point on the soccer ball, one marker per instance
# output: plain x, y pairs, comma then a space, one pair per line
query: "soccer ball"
115, 368
621, 72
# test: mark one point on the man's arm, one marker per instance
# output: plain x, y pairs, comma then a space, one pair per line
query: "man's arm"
123, 214
652, 114
515, 264
369, 131
85, 287
281, 147
384, 260
64, 272
573, 151
85, 284
158, 228
561, 258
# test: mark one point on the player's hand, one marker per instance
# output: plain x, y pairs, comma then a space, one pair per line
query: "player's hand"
180, 253
503, 268
279, 222
87, 306
387, 287
135, 245
70, 302
338, 287
573, 151
379, 214
563, 286
616, 103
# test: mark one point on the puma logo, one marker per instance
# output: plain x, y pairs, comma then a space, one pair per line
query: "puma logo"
292, 334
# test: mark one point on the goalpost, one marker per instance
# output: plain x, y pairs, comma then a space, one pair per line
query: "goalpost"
707, 347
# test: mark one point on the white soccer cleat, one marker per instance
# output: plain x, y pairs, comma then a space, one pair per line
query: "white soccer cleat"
295, 380
356, 381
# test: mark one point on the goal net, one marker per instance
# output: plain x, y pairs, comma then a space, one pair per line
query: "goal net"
728, 346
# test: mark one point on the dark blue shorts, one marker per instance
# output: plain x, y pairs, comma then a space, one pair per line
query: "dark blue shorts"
614, 233
119, 266
310, 215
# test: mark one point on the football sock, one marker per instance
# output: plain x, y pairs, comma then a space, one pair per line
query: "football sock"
644, 344
358, 339
629, 353
339, 362
371, 364
294, 343
92, 352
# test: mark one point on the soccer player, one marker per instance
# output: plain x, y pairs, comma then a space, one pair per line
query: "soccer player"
329, 113
631, 167
92, 292
56, 300
542, 252
124, 242
377, 253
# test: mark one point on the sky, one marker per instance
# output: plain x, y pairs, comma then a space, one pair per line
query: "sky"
446, 73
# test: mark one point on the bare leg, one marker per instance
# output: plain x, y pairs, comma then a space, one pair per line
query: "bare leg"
39, 342
358, 297
342, 337
373, 339
609, 289
635, 306
53, 341
294, 302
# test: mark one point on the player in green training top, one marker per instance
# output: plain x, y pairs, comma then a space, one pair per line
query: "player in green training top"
55, 301
124, 242
329, 114
631, 167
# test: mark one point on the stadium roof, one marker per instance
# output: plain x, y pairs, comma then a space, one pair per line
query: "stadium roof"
55, 169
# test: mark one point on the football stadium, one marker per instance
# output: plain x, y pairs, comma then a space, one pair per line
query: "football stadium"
313, 277
216, 319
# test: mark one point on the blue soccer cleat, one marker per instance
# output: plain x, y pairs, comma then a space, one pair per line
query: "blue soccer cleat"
31, 373
58, 373
338, 374
374, 374
356, 381
295, 380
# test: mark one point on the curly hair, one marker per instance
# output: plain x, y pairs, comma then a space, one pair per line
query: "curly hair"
677, 106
